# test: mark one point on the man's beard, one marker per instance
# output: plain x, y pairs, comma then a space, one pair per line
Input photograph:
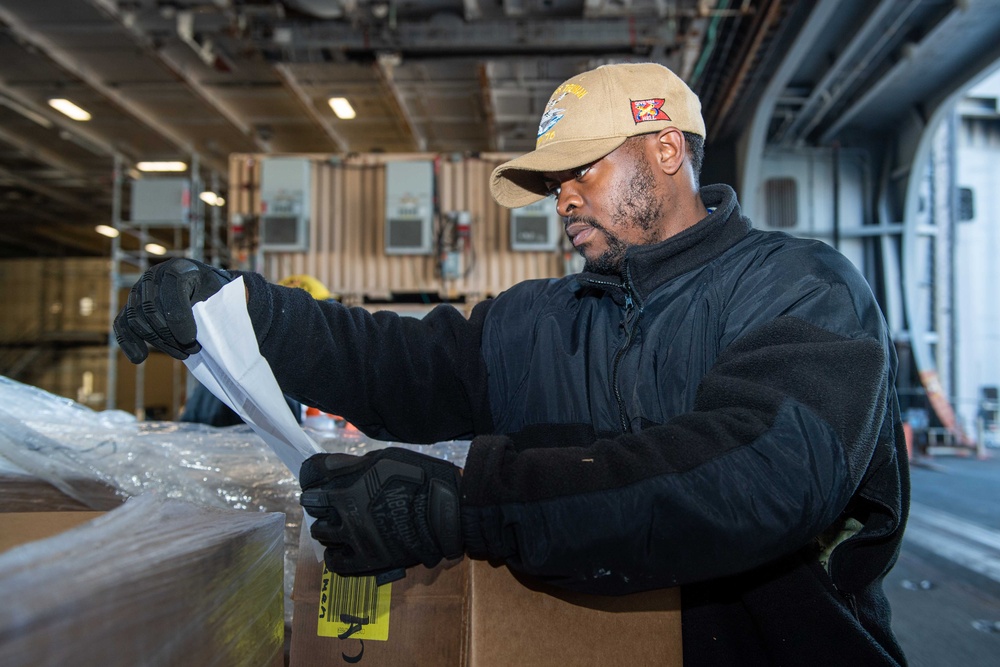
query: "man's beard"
609, 262
636, 208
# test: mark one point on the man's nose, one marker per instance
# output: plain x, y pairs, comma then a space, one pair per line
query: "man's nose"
568, 199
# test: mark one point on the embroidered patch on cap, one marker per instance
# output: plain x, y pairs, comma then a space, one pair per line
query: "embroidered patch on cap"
644, 110
552, 115
549, 120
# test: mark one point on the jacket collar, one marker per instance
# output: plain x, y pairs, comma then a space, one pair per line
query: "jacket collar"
648, 267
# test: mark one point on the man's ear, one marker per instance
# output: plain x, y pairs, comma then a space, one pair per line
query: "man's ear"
671, 147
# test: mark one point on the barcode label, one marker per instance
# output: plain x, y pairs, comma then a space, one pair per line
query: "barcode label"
353, 607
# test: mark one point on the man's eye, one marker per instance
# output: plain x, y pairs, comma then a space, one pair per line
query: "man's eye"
580, 172
552, 189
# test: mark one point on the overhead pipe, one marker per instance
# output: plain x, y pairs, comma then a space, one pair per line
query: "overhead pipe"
822, 88
753, 139
831, 96
710, 38
748, 60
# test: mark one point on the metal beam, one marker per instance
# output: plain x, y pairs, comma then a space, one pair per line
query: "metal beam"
71, 65
51, 193
384, 65
71, 132
57, 231
472, 10
750, 149
203, 92
487, 101
292, 82
932, 70
831, 86
42, 155
584, 36
639, 10
11, 241
881, 229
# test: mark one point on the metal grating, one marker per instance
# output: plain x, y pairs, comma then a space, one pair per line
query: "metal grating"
781, 198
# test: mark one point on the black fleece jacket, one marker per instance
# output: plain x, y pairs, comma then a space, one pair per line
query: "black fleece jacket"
700, 423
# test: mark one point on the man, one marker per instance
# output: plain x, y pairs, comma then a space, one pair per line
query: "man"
705, 406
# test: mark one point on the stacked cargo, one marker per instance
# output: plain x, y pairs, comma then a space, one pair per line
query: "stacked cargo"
152, 582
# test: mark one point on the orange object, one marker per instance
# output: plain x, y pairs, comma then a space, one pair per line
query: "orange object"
317, 418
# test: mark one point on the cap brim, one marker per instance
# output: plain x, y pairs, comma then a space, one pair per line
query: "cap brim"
522, 180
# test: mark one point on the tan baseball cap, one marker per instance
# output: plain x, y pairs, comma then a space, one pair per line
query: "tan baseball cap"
591, 115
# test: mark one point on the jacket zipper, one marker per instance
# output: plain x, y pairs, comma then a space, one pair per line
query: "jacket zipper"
629, 323
629, 314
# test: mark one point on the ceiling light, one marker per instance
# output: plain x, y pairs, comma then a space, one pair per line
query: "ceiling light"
162, 166
211, 198
155, 249
106, 230
69, 109
342, 108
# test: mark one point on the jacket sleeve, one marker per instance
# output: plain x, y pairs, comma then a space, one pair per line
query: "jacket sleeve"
396, 378
783, 427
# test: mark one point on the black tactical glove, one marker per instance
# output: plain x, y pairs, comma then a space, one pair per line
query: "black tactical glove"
386, 510
159, 308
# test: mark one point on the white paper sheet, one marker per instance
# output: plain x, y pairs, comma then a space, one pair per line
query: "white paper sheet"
231, 367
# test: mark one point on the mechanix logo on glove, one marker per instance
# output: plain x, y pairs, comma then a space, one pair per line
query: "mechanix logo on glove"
389, 509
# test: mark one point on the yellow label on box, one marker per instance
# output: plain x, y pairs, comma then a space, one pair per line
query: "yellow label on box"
353, 607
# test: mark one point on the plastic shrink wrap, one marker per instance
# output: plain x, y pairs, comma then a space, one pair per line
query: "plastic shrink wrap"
153, 582
57, 454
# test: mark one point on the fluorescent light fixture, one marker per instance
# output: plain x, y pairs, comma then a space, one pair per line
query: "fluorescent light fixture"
342, 108
162, 166
106, 230
211, 198
155, 249
67, 108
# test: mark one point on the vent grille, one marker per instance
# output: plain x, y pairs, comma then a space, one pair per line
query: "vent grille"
782, 199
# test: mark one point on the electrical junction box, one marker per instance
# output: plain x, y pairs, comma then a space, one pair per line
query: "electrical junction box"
536, 226
161, 202
409, 208
284, 204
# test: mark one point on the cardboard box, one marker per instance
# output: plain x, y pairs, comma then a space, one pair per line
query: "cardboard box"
27, 493
471, 614
21, 527
152, 582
